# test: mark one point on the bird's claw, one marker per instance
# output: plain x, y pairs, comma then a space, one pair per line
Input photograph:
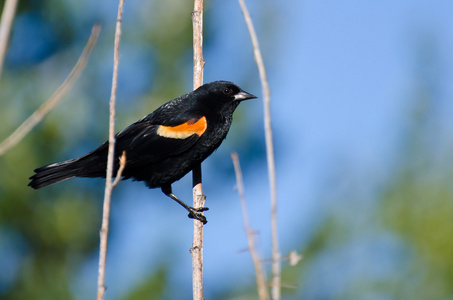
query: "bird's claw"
197, 214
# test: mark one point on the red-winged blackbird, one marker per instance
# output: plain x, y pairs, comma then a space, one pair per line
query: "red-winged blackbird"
163, 146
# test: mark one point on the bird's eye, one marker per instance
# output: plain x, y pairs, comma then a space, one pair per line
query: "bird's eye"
227, 91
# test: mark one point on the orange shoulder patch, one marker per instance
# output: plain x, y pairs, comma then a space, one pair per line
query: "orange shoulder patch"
184, 130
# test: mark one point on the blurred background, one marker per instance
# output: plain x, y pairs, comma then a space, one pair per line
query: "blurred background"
363, 129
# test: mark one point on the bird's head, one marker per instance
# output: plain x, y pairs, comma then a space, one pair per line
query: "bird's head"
222, 96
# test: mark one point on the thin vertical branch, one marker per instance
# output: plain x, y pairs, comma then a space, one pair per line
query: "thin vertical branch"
108, 182
276, 278
55, 99
198, 197
9, 10
198, 60
260, 277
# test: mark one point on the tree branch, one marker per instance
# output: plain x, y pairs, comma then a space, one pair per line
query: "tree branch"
108, 180
9, 10
276, 261
55, 99
260, 277
198, 197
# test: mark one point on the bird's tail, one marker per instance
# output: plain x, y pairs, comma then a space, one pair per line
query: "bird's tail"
92, 164
54, 173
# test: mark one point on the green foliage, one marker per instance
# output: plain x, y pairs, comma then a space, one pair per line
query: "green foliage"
151, 288
57, 229
421, 212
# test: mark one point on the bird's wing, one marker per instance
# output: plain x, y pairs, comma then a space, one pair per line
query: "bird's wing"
145, 142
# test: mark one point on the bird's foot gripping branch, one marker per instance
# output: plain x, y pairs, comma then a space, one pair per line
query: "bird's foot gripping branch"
197, 213
194, 213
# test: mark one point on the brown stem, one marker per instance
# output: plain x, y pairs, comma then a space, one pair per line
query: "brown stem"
108, 181
198, 197
260, 277
9, 10
276, 267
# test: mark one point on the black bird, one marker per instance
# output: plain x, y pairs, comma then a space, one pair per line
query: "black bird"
163, 146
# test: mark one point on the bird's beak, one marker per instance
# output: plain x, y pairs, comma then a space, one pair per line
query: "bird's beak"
242, 95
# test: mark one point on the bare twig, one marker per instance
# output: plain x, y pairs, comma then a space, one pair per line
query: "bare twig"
198, 197
260, 276
120, 170
198, 60
102, 287
47, 106
293, 258
108, 181
9, 10
270, 154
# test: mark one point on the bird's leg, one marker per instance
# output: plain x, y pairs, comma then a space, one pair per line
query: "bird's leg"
194, 213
